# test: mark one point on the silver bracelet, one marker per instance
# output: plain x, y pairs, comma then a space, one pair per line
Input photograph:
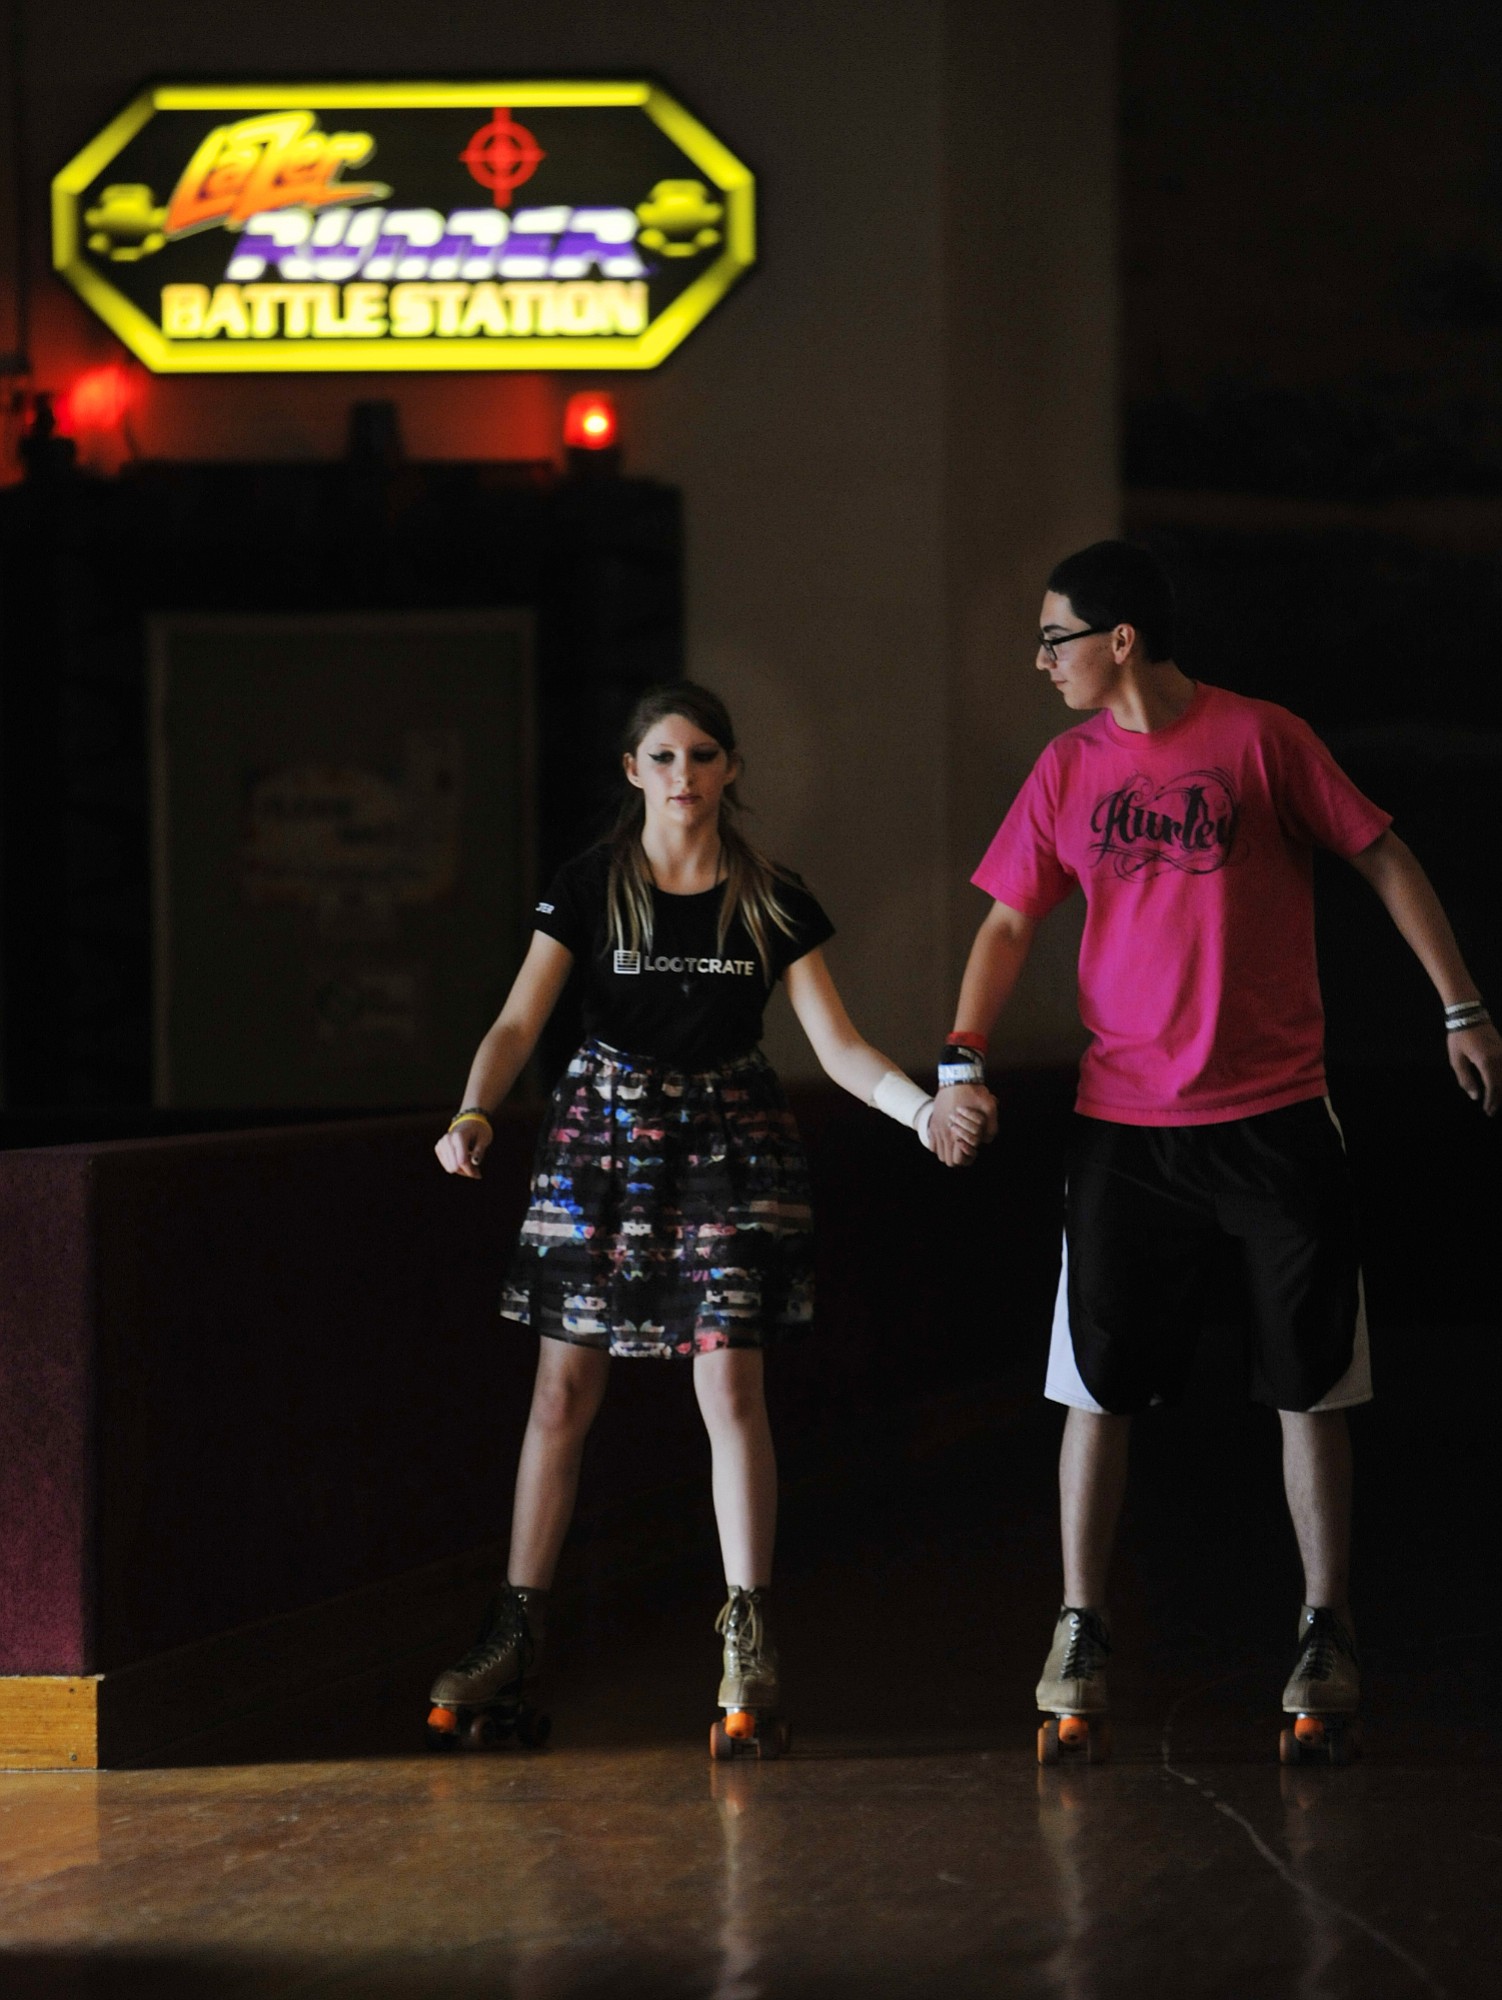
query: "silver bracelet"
1473, 1015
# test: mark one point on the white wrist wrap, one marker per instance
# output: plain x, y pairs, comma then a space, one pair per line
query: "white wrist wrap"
900, 1098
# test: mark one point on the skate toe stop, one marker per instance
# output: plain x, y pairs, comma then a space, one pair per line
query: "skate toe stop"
740, 1723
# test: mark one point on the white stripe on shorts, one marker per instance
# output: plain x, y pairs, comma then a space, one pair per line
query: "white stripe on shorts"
1064, 1384
1355, 1386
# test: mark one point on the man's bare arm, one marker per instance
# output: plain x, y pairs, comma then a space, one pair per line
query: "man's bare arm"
1408, 896
995, 964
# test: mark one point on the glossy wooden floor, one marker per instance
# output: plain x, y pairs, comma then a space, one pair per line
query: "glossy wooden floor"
910, 1846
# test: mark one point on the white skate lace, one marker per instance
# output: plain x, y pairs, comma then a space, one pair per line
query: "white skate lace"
1327, 1637
741, 1626
1088, 1646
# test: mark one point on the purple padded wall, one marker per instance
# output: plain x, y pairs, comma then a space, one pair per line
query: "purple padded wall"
46, 1411
245, 1372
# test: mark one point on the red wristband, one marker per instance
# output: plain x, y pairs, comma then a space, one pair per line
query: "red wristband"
963, 1039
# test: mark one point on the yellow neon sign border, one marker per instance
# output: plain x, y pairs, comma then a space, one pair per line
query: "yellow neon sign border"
640, 351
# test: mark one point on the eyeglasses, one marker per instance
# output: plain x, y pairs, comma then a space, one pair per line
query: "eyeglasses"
1049, 648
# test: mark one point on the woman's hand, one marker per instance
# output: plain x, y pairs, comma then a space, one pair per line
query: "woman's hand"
964, 1119
461, 1150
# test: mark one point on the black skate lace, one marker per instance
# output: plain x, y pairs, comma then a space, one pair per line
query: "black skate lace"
1088, 1646
1327, 1637
505, 1625
740, 1624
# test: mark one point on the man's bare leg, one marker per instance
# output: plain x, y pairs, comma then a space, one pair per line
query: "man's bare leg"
1317, 1481
1092, 1481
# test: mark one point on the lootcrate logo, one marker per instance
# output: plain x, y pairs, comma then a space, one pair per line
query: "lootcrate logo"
505, 225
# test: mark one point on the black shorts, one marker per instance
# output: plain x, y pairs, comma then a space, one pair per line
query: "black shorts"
1156, 1215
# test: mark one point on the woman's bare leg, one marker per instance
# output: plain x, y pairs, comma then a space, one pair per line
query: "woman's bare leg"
566, 1396
729, 1386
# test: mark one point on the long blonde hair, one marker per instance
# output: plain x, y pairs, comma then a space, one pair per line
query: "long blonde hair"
750, 878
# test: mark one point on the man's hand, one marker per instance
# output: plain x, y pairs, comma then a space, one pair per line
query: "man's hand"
964, 1119
1476, 1058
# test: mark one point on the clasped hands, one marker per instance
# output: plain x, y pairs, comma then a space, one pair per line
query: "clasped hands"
964, 1120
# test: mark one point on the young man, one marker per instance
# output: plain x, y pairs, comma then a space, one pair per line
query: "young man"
1187, 815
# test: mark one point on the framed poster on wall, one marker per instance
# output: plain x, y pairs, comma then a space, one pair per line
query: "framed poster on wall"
342, 831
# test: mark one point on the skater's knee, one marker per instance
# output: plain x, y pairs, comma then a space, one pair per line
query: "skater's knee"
564, 1403
731, 1398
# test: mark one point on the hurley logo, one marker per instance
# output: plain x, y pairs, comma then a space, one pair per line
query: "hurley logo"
1189, 824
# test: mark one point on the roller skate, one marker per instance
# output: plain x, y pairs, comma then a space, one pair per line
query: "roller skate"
480, 1702
1072, 1691
1323, 1694
751, 1726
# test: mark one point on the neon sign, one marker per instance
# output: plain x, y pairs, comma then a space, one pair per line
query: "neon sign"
403, 226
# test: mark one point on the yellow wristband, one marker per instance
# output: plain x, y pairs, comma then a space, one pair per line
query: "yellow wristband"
471, 1118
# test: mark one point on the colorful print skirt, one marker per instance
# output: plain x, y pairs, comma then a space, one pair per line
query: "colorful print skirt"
670, 1210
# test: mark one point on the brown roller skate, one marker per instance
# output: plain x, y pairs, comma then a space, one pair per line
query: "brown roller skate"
751, 1726
1072, 1691
1323, 1694
480, 1701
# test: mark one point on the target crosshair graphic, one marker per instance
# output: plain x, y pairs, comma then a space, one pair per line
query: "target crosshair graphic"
502, 155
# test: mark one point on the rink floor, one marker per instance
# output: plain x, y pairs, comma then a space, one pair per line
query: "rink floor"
910, 1845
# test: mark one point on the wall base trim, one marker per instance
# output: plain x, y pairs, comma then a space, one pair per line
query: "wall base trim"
49, 1722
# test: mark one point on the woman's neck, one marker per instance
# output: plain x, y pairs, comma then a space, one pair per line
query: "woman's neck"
683, 860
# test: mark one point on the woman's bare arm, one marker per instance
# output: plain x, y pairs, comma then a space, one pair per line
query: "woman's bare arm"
506, 1049
844, 1053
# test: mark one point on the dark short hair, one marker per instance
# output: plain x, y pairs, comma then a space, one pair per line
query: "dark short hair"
1116, 583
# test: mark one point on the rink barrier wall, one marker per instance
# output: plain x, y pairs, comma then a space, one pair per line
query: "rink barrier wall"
247, 1376
258, 1416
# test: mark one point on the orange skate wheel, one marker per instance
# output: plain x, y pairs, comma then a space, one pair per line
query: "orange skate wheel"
741, 1723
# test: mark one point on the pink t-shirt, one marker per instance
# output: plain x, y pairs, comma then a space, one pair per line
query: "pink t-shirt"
1193, 846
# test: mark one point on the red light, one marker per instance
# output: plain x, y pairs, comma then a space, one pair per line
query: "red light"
100, 400
589, 422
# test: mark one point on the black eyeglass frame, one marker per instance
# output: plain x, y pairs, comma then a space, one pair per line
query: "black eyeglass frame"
1049, 648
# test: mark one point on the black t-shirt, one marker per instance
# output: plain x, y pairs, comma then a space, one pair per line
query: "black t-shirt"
685, 1001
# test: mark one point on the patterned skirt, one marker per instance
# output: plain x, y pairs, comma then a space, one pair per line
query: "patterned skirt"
670, 1210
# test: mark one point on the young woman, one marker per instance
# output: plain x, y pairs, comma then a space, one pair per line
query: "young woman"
670, 1205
